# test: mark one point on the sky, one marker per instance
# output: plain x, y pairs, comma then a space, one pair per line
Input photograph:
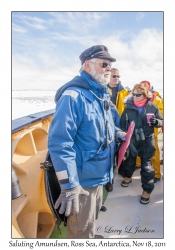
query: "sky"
46, 46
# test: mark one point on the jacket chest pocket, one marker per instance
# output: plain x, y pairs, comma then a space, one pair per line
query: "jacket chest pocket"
96, 165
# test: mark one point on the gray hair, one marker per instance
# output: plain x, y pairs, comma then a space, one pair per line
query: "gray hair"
114, 69
83, 66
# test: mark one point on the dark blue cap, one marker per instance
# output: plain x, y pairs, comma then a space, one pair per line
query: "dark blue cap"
97, 51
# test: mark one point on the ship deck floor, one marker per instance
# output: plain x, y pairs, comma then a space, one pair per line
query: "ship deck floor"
126, 217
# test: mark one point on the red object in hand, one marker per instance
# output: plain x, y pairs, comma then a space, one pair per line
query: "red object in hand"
125, 144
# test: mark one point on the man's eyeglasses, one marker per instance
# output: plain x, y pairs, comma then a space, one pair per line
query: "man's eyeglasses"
104, 64
137, 95
114, 76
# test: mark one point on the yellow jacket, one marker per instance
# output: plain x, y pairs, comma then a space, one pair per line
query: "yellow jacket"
120, 99
120, 105
159, 102
157, 94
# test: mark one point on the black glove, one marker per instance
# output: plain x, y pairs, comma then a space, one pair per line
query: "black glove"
153, 121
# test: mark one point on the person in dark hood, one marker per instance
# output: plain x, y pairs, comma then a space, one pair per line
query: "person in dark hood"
82, 142
146, 116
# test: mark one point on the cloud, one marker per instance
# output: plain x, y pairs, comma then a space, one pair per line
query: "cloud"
141, 58
27, 75
18, 28
33, 22
140, 16
79, 22
52, 58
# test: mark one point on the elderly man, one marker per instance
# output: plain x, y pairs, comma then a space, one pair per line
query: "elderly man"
81, 142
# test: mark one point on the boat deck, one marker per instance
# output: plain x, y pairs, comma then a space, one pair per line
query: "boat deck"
126, 217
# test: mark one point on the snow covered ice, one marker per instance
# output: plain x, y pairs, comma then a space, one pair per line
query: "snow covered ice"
26, 102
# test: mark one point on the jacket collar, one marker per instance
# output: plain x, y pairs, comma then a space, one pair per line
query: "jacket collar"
96, 87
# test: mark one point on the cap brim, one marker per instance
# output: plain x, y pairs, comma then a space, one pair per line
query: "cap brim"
111, 59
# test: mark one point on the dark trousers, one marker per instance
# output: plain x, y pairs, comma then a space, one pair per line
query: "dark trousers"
147, 171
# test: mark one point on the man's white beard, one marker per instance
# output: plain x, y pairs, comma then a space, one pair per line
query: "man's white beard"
101, 78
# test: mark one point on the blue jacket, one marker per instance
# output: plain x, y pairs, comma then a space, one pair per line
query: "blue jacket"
77, 135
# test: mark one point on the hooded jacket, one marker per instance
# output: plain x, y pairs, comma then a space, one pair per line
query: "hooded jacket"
78, 134
131, 113
142, 145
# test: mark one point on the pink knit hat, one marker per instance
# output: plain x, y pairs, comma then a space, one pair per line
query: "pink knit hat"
148, 83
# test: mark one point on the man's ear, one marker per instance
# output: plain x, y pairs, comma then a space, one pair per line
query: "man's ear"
87, 66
